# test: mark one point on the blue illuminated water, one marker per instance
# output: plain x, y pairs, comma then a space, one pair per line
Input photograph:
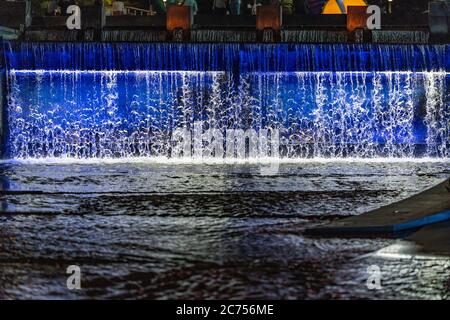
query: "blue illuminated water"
140, 226
239, 58
127, 100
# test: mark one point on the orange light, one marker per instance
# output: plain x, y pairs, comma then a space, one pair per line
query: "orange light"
178, 17
332, 6
268, 17
356, 18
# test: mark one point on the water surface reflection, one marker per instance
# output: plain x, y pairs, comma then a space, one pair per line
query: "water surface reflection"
159, 230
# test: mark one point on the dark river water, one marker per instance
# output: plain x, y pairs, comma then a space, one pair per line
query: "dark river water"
155, 230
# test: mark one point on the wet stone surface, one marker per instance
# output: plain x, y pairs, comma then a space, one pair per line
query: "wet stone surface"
163, 230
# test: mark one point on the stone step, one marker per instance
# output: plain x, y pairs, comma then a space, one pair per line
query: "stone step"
426, 208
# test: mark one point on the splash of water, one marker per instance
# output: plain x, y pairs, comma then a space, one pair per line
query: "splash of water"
110, 114
103, 100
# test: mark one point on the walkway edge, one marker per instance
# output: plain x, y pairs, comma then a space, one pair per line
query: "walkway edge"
428, 207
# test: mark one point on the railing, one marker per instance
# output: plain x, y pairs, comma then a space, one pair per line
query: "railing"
133, 11
129, 11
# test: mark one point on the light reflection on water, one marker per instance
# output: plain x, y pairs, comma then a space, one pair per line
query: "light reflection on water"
165, 230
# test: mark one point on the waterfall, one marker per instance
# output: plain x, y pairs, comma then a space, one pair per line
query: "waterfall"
319, 36
400, 36
51, 35
235, 57
134, 35
207, 35
437, 116
135, 100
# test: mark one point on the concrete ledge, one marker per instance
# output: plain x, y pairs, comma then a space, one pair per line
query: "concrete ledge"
430, 241
439, 16
217, 35
428, 207
53, 35
242, 21
340, 20
49, 22
91, 17
133, 35
9, 34
329, 20
401, 36
224, 21
404, 20
158, 21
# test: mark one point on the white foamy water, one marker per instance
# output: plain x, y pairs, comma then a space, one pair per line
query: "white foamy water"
125, 114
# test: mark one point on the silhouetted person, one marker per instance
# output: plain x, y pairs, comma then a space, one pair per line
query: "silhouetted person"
247, 7
158, 6
190, 3
251, 5
51, 7
288, 6
220, 7
235, 7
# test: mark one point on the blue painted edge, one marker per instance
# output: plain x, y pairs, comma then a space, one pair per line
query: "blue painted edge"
418, 223
387, 229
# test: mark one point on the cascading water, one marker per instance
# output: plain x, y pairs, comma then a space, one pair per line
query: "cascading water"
125, 100
134, 35
211, 35
321, 36
400, 36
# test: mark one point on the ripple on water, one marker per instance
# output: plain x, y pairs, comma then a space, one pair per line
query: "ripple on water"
149, 230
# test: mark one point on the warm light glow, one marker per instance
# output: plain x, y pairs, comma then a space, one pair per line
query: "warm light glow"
332, 6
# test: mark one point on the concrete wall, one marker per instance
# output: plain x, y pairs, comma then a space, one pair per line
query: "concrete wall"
91, 15
138, 21
8, 33
439, 16
16, 15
